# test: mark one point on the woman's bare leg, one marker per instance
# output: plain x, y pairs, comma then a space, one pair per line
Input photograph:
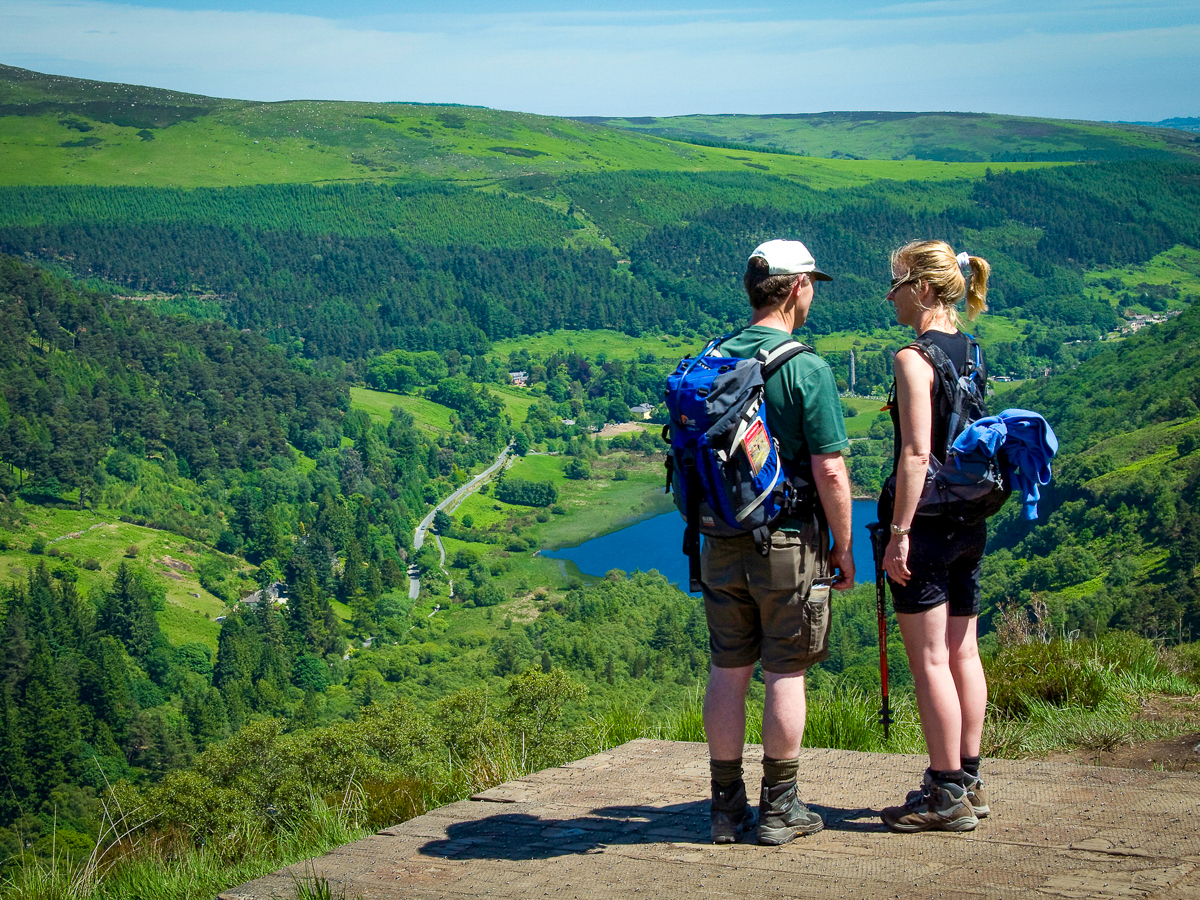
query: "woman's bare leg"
927, 645
969, 680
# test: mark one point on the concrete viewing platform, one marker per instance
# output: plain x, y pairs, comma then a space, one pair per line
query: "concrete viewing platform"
633, 822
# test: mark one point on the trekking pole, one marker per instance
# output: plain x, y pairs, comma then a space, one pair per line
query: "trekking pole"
878, 546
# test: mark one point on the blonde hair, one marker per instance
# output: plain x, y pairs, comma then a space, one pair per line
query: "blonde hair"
934, 263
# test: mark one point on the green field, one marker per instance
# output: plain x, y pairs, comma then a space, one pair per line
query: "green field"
590, 343
516, 400
945, 136
69, 131
593, 507
1173, 274
429, 416
190, 613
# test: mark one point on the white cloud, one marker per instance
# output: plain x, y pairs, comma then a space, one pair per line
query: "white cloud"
1075, 58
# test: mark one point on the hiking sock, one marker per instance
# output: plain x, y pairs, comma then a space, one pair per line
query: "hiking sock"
970, 765
950, 776
725, 772
780, 771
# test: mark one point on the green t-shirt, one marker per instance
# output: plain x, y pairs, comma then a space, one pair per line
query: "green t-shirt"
802, 400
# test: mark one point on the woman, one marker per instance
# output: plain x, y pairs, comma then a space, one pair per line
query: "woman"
932, 561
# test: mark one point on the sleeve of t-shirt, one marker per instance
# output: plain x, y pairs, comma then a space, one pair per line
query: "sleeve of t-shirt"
824, 428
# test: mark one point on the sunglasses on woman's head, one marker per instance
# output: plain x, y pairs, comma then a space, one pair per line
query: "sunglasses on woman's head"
900, 282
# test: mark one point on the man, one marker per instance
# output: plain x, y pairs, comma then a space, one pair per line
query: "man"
776, 608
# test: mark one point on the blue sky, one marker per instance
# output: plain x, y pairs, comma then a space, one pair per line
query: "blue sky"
1083, 59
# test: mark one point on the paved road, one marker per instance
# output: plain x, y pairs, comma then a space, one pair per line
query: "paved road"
450, 503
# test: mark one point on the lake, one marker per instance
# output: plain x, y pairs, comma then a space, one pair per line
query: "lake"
656, 544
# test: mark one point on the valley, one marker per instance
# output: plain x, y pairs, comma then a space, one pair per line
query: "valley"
247, 349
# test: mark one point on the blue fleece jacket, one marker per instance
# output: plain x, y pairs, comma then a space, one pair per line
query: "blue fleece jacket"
1028, 441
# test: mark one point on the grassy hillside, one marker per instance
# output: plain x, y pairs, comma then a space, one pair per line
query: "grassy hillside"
1117, 543
56, 130
951, 137
87, 546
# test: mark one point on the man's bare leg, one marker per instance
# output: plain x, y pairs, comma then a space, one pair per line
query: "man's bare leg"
725, 711
783, 715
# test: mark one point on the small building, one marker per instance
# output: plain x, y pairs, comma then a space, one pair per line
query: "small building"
276, 592
568, 421
520, 379
642, 411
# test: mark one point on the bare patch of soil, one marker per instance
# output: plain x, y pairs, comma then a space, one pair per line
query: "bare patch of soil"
176, 564
612, 430
1173, 754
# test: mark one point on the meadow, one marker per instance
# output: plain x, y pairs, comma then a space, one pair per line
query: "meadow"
927, 135
74, 537
137, 136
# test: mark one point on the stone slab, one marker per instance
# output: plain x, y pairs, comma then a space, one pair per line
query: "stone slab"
633, 823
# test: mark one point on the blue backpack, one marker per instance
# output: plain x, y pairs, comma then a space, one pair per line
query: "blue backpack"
724, 465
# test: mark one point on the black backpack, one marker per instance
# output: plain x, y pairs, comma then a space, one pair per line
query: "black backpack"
964, 487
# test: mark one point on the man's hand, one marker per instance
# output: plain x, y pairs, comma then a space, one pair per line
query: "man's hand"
833, 488
842, 560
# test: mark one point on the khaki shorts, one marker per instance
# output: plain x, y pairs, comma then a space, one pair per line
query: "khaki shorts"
760, 607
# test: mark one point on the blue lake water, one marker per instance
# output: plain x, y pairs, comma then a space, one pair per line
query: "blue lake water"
656, 544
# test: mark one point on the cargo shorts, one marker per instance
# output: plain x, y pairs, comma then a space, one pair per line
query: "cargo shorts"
768, 607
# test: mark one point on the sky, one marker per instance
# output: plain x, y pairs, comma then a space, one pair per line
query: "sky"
1077, 59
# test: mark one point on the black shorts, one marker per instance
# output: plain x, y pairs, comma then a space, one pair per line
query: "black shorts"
944, 559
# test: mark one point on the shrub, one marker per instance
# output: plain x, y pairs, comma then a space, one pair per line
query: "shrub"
132, 551
92, 564
526, 493
37, 545
578, 469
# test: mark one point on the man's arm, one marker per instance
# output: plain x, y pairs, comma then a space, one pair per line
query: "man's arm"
833, 488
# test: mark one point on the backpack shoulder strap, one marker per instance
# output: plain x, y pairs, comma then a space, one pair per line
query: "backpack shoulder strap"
947, 375
777, 358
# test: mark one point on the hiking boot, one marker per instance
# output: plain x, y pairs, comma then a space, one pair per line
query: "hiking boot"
731, 816
938, 806
977, 796
781, 815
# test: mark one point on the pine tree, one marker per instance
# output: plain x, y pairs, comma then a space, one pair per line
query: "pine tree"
127, 612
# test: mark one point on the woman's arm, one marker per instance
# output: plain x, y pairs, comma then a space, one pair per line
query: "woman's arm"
914, 397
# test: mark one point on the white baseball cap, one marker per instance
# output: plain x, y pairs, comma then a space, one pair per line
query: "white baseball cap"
789, 258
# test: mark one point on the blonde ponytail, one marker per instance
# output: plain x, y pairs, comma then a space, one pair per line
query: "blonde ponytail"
977, 287
936, 264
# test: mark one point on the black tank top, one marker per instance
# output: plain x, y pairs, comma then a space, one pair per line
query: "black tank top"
955, 346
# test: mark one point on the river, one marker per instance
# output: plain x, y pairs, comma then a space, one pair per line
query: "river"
656, 544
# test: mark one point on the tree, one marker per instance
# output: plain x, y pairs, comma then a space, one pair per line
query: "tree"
127, 612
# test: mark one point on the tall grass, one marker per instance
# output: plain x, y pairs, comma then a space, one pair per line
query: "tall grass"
1048, 696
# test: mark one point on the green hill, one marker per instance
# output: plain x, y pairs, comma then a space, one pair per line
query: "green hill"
1117, 543
951, 137
56, 130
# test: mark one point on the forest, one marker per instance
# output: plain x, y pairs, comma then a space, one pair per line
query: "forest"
352, 271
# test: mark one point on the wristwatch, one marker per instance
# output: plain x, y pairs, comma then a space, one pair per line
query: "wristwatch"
901, 532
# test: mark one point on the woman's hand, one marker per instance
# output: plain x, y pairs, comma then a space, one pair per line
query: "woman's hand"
895, 559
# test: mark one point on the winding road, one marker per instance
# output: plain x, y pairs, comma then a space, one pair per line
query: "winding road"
450, 503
